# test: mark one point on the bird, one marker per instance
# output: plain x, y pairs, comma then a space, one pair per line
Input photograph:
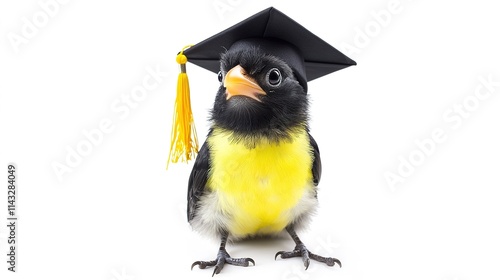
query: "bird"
257, 173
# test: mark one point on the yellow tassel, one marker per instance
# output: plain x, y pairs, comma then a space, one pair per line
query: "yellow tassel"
184, 141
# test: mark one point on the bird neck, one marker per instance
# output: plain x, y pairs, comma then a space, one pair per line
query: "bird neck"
262, 137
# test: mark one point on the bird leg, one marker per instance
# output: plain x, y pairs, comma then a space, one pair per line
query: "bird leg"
223, 258
301, 251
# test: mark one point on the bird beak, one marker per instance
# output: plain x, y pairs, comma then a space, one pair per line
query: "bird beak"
237, 82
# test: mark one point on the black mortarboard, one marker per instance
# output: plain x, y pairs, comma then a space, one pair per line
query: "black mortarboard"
309, 56
274, 33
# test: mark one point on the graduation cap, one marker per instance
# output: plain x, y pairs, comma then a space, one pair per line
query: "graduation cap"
274, 33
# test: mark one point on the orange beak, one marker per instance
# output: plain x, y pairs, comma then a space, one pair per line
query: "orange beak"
237, 82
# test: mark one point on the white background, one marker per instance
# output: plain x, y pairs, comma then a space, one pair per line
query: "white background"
120, 215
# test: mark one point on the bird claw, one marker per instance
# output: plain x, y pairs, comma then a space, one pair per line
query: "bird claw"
278, 254
333, 261
223, 258
246, 261
202, 264
301, 251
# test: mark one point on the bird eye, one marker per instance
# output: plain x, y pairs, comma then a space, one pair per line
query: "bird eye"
274, 77
219, 76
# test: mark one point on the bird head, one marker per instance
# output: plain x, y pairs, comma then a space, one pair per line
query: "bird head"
259, 96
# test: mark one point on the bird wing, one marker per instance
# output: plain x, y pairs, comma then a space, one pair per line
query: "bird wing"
316, 166
198, 180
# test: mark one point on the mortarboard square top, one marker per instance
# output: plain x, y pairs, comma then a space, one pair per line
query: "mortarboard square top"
276, 34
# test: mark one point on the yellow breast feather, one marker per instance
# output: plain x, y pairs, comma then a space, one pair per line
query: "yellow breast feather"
259, 187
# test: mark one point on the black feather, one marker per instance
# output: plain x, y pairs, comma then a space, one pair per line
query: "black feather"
316, 167
198, 180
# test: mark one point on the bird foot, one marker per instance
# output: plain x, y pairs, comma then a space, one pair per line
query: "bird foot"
223, 258
301, 251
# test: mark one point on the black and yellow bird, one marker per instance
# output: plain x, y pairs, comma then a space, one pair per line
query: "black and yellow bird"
257, 172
